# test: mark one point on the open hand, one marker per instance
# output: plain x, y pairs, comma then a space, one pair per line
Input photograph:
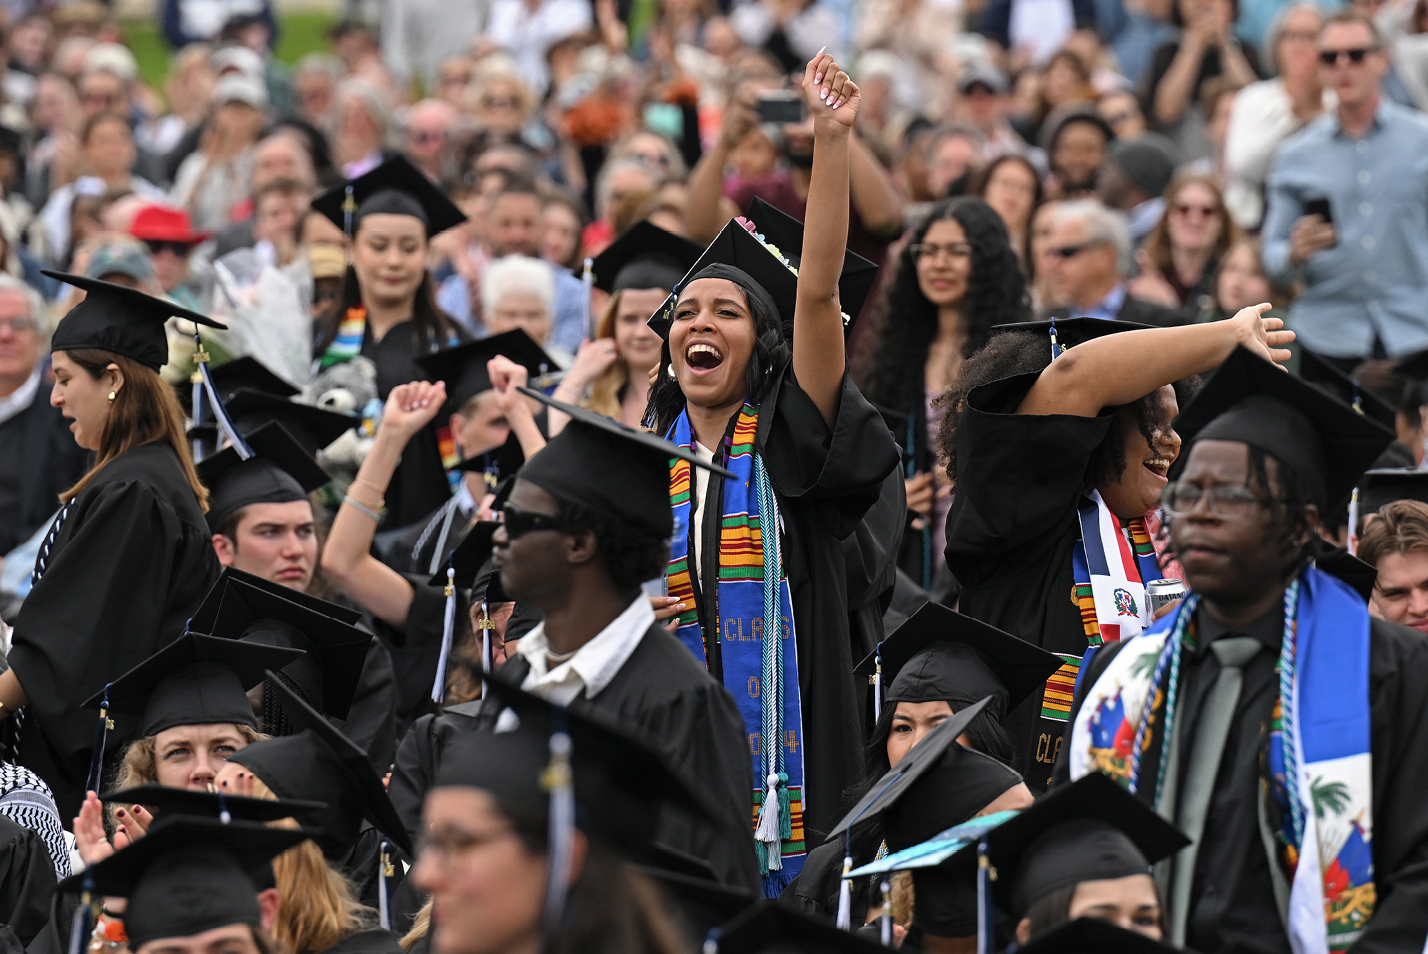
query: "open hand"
89, 838
1266, 337
593, 358
833, 97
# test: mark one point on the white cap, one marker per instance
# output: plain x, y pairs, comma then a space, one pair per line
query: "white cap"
238, 59
112, 58
236, 87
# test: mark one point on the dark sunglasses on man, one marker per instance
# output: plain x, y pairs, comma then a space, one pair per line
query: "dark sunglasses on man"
158, 245
519, 522
1355, 55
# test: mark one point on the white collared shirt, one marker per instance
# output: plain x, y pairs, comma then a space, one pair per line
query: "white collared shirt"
594, 664
20, 398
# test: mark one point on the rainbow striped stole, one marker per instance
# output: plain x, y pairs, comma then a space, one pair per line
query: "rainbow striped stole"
348, 343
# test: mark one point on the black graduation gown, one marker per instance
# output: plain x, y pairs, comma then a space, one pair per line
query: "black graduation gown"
870, 556
1010, 535
419, 758
127, 568
38, 461
370, 941
1233, 906
416, 648
371, 722
419, 485
27, 879
663, 689
826, 481
815, 891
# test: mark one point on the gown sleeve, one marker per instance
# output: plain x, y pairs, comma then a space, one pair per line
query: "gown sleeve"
98, 610
1019, 477
411, 776
843, 466
27, 880
371, 722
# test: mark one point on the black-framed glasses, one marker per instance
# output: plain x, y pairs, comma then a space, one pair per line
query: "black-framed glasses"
1068, 251
1226, 502
1356, 55
932, 250
519, 522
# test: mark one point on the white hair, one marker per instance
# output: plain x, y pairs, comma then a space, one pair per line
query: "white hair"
33, 302
1103, 227
520, 275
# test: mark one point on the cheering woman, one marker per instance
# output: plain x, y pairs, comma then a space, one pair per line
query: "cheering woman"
809, 455
129, 556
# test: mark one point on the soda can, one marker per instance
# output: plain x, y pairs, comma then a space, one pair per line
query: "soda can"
1162, 593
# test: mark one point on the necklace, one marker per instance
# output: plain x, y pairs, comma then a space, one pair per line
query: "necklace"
560, 657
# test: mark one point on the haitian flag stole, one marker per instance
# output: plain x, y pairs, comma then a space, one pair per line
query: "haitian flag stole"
1318, 752
752, 599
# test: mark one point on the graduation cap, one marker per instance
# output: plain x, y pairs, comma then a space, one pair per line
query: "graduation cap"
644, 256
321, 764
700, 904
396, 187
1094, 936
1326, 443
203, 618
784, 231
188, 875
1413, 365
737, 255
770, 926
245, 372
1321, 373
280, 471
620, 777
498, 465
611, 468
470, 555
1344, 566
313, 427
1069, 332
192, 681
940, 654
1090, 830
120, 320
1378, 488
463, 367
335, 651
186, 801
922, 758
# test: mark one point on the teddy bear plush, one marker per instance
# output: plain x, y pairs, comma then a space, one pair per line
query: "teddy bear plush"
348, 388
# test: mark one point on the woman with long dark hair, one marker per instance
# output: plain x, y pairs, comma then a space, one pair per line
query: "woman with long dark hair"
129, 556
956, 279
809, 455
388, 312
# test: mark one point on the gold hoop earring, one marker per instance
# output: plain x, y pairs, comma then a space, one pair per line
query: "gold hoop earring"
111, 397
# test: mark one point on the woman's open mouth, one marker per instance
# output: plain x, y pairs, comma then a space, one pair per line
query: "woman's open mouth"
703, 358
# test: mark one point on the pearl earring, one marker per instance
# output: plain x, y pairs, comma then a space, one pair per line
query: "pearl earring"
111, 397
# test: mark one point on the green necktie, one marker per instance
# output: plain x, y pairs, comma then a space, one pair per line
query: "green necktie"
1233, 652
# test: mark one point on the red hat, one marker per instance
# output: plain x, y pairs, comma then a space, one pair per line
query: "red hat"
165, 223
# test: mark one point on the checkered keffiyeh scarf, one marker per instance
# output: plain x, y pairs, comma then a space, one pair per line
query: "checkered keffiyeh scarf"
26, 800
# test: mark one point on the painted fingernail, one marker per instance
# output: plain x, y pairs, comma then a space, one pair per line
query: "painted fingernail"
820, 51
120, 812
680, 606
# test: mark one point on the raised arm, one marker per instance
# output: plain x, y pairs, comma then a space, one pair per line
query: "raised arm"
347, 558
818, 356
1118, 369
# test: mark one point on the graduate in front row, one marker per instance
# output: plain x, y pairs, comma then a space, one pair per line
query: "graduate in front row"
128, 557
1277, 724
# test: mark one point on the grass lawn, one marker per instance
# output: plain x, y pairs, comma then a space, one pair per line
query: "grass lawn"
299, 33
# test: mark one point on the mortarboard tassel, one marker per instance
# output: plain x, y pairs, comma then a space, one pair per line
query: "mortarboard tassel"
223, 814
887, 918
96, 755
486, 626
845, 894
384, 914
220, 413
84, 916
1358, 399
986, 874
878, 683
438, 688
349, 208
587, 278
767, 831
559, 783
197, 381
711, 941
1055, 345
1354, 522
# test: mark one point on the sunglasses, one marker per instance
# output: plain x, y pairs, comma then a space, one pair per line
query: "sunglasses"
520, 522
1206, 211
158, 245
1355, 56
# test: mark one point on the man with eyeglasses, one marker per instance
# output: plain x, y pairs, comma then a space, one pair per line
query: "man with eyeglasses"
427, 124
1348, 209
1085, 258
38, 456
1268, 716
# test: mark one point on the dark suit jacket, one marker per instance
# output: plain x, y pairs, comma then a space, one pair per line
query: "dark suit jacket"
1136, 310
52, 462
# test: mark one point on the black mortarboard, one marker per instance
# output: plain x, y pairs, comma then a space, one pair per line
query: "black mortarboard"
1347, 568
396, 187
280, 471
1326, 443
700, 903
1413, 365
644, 256
951, 791
188, 875
611, 468
470, 555
1380, 487
498, 464
336, 651
321, 764
245, 372
313, 427
120, 320
186, 801
786, 233
1072, 331
207, 612
463, 367
939, 653
1322, 374
621, 780
1094, 936
736, 255
923, 757
191, 681
772, 926
1090, 830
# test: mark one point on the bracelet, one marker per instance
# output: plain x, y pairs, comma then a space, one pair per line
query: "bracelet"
381, 491
376, 517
